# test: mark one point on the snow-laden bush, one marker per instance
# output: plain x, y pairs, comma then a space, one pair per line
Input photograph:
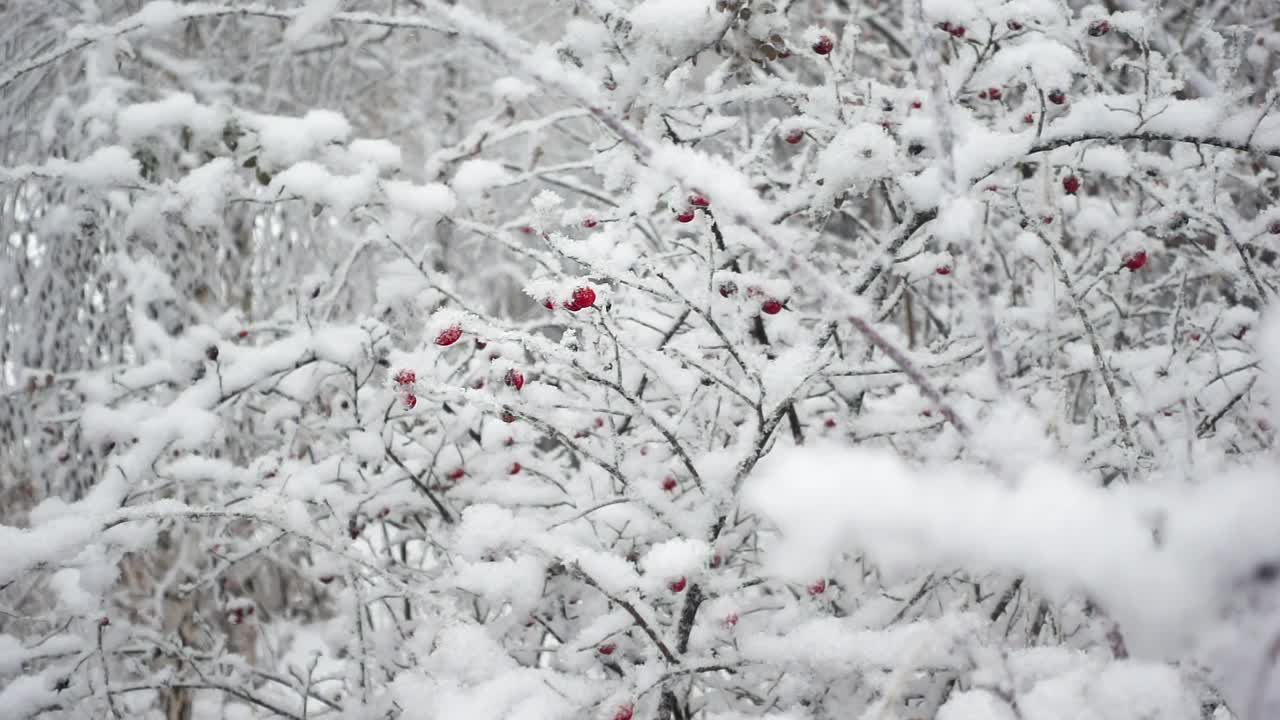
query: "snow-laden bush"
671, 358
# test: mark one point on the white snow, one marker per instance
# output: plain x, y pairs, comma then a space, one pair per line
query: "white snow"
384, 154
313, 14
433, 200
474, 177
159, 14
679, 27
855, 157
150, 119
513, 89
289, 140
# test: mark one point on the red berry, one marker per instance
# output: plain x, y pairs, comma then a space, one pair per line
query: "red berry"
625, 712
449, 335
957, 31
824, 46
384, 512
1195, 337
237, 616
731, 619
916, 104
995, 93
685, 216
669, 483
1014, 25
410, 401
514, 378
104, 621
1071, 184
829, 422
678, 585
716, 560
583, 297
326, 579
549, 304
508, 416
1057, 97
983, 95
1098, 28
527, 229
1136, 260
943, 270
1047, 219
599, 422
607, 648
699, 200
243, 333
456, 473
818, 587
590, 223
406, 377
728, 288
1028, 118
771, 307
514, 469
795, 136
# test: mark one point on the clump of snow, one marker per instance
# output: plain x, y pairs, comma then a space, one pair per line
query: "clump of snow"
474, 177
312, 15
679, 27
1107, 160
958, 221
384, 154
1050, 64
433, 200
513, 89
288, 140
856, 156
1112, 691
151, 119
469, 653
1133, 23
203, 191
956, 12
675, 558
158, 14
315, 183
516, 580
484, 529
365, 445
923, 189
340, 344
727, 187
104, 167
